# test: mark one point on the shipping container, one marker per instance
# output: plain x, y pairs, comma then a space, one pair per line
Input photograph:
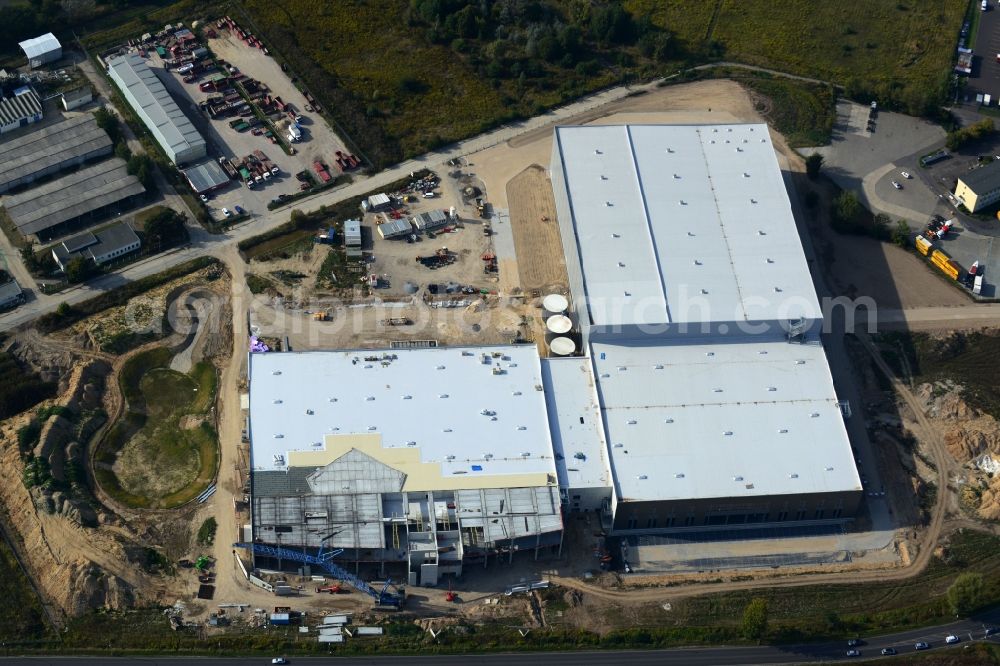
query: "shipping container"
923, 245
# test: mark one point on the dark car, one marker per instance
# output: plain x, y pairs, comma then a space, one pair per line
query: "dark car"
922, 646
855, 642
888, 652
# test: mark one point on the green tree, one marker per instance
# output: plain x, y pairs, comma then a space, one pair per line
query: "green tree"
165, 228
63, 309
80, 269
109, 123
880, 227
813, 164
847, 208
754, 624
298, 219
966, 593
901, 233
29, 258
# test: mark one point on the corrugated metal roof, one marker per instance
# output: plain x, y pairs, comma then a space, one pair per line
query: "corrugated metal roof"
23, 104
682, 224
206, 176
154, 104
60, 143
394, 228
38, 46
9, 290
71, 196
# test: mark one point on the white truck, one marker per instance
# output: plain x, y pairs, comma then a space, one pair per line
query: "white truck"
294, 133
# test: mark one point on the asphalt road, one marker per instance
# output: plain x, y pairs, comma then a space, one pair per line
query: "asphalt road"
968, 631
203, 243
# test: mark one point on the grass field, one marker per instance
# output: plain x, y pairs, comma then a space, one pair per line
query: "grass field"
895, 50
21, 615
167, 453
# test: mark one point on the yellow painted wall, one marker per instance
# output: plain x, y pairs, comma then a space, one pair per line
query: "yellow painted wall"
420, 476
963, 192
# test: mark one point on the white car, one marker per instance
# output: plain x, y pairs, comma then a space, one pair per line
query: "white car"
897, 185
905, 174
279, 660
952, 639
429, 195
225, 212
203, 197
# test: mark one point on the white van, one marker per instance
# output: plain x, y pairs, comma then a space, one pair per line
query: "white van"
983, 6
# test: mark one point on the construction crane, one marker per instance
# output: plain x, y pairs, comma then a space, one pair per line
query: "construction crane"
324, 560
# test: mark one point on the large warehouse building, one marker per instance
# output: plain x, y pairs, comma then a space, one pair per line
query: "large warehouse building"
67, 203
64, 145
428, 457
701, 322
159, 112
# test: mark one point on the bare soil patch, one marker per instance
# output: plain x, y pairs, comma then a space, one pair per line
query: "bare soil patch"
537, 241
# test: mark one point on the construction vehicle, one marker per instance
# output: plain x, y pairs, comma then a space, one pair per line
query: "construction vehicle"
333, 589
385, 600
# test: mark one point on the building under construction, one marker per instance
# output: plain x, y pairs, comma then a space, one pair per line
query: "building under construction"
423, 458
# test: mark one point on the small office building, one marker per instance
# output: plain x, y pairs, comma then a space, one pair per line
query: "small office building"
979, 188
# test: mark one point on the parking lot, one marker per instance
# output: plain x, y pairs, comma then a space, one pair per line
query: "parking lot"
318, 142
985, 78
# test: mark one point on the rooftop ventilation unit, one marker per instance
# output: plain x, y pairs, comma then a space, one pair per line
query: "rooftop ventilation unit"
793, 475
279, 460
278, 435
276, 372
679, 476
277, 401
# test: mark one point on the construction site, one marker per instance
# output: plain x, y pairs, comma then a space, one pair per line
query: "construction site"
446, 429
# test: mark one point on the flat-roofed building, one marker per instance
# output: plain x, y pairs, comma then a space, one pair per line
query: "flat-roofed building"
428, 457
51, 149
74, 99
11, 294
158, 111
700, 323
109, 244
63, 205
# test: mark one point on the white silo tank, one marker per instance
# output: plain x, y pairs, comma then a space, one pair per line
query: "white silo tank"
555, 303
562, 346
559, 324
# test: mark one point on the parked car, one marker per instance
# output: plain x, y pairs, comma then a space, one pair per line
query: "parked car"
888, 652
429, 195
897, 185
922, 646
225, 212
203, 197
905, 174
239, 210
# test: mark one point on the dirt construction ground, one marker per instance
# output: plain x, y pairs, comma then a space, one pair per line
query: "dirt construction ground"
540, 259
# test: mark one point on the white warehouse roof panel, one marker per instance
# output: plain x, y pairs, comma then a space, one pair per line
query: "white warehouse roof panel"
683, 224
473, 410
719, 418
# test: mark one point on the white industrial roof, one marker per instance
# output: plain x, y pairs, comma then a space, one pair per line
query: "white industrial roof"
701, 419
40, 45
683, 224
575, 423
460, 406
155, 104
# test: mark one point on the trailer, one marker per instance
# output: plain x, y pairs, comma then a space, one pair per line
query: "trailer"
321, 171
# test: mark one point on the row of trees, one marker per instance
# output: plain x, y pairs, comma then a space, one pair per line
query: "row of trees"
140, 166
